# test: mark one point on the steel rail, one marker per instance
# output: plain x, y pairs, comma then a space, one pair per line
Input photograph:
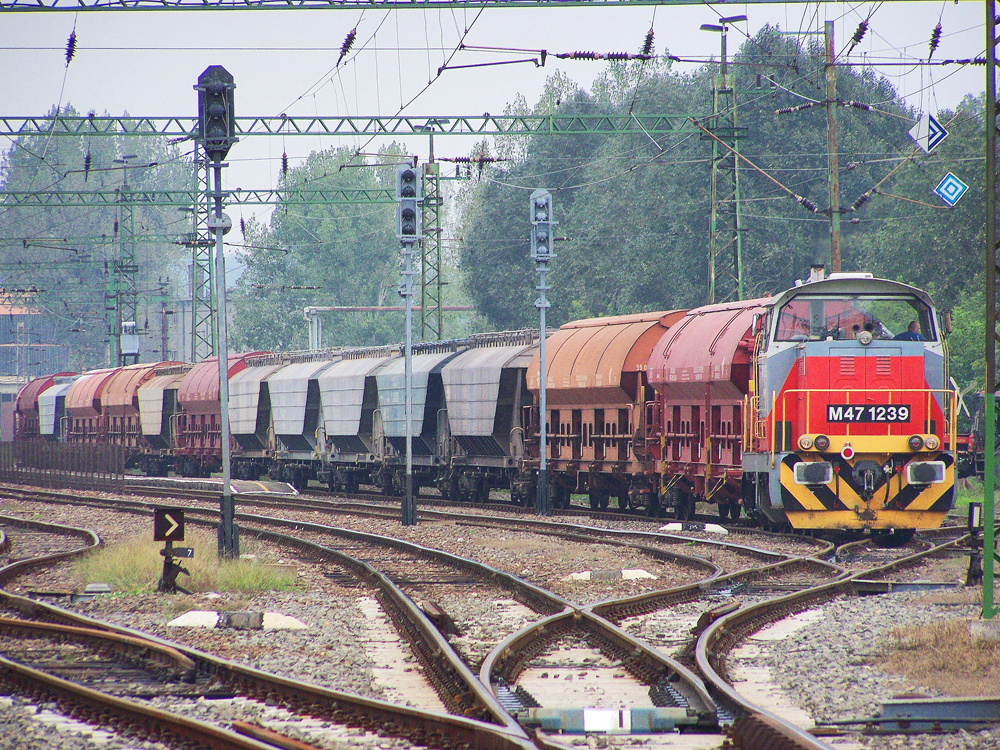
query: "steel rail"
424, 727
109, 710
622, 535
757, 724
620, 608
755, 727
14, 569
512, 655
437, 653
142, 648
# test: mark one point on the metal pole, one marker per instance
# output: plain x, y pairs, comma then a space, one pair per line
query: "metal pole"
833, 157
542, 506
989, 481
229, 546
409, 502
163, 330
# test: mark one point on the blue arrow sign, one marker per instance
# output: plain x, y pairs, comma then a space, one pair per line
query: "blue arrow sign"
928, 133
950, 189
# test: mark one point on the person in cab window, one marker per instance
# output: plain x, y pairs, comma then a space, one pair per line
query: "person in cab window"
912, 333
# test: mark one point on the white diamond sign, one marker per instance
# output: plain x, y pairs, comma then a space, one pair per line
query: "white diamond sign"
950, 189
928, 133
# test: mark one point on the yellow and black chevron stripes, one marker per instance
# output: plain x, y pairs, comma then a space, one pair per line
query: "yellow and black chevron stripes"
909, 506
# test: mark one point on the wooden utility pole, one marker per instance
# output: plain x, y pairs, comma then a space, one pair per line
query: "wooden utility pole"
832, 155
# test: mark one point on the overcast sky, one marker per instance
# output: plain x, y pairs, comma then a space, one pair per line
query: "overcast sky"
285, 60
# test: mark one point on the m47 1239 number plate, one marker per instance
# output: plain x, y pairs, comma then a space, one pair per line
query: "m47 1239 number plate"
873, 413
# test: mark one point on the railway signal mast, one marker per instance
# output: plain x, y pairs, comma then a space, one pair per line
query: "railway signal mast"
541, 252
408, 231
217, 134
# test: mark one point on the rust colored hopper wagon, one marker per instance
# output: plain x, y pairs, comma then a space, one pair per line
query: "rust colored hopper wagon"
596, 397
121, 404
701, 370
199, 425
86, 421
26, 416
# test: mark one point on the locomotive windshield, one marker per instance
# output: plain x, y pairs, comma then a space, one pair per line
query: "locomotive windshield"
840, 317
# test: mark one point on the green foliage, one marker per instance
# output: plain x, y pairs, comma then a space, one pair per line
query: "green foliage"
135, 567
36, 241
322, 255
966, 345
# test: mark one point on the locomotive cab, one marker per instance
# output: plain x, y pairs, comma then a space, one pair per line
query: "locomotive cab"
851, 424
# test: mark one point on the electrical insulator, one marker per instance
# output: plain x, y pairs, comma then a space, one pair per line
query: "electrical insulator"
858, 35
647, 45
348, 42
806, 204
70, 47
862, 200
935, 40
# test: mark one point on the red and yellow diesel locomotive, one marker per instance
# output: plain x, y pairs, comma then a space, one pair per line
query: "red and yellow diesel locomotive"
825, 406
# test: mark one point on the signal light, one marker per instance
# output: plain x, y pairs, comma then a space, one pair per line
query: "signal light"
847, 452
915, 442
822, 442
216, 112
541, 225
408, 194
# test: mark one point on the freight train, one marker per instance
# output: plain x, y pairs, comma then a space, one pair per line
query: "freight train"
824, 406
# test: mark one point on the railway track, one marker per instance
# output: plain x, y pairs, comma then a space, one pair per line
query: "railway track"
599, 634
138, 670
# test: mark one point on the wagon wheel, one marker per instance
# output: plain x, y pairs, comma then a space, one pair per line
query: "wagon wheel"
599, 500
685, 507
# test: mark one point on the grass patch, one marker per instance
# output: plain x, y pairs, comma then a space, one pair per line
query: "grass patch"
970, 490
135, 566
944, 657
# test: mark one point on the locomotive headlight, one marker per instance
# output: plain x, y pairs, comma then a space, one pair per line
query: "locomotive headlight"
932, 442
822, 442
915, 442
805, 442
865, 338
